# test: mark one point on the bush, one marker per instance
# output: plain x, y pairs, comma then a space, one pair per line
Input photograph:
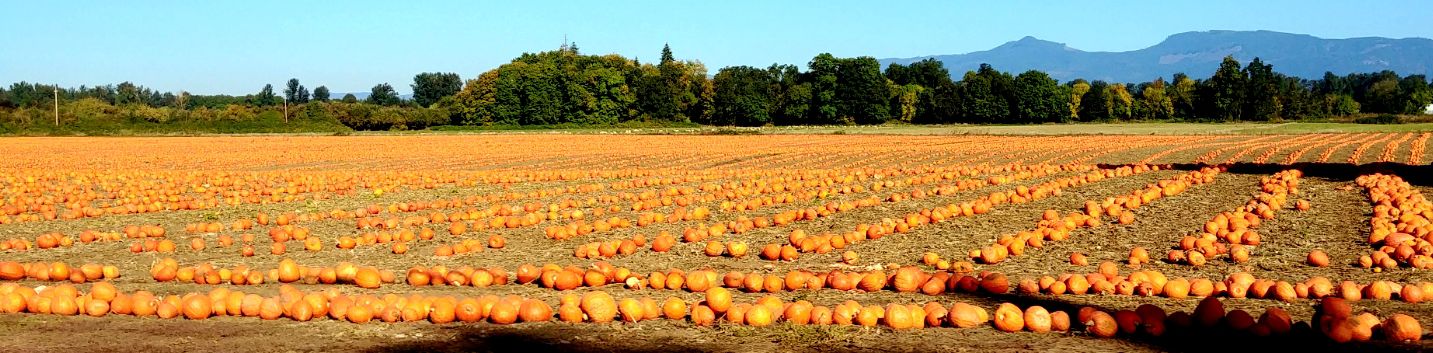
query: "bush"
1379, 119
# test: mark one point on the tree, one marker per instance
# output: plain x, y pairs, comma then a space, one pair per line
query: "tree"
1094, 106
296, 93
349, 98
429, 87
320, 94
667, 57
1077, 89
984, 95
1416, 92
823, 103
1260, 92
383, 94
1182, 96
743, 96
862, 91
265, 98
1226, 91
1154, 101
1038, 98
1119, 101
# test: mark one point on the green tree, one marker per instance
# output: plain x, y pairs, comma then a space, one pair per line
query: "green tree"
1154, 101
383, 94
1340, 105
1039, 98
265, 97
743, 96
296, 93
1261, 101
1119, 101
1182, 96
320, 94
984, 95
1077, 90
862, 91
1095, 105
349, 98
1226, 91
905, 101
1417, 93
824, 103
429, 87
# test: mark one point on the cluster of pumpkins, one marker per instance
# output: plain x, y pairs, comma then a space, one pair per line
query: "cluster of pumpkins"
1333, 317
1053, 227
1402, 233
1237, 228
288, 271
56, 272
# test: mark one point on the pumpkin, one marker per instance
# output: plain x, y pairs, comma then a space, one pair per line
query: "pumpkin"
869, 315
1318, 258
703, 316
1209, 312
1037, 319
357, 314
1059, 321
1277, 320
505, 311
599, 306
366, 277
288, 271
1413, 294
570, 313
674, 308
719, 299
995, 283
197, 307
758, 316
1009, 318
798, 313
1102, 324
443, 311
1401, 328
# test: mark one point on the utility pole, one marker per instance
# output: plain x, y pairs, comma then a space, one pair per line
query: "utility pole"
57, 104
286, 110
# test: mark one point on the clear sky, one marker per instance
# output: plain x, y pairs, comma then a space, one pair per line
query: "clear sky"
235, 47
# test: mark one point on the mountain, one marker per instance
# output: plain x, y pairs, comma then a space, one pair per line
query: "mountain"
1198, 54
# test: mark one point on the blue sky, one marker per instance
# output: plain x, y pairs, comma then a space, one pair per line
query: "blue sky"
235, 47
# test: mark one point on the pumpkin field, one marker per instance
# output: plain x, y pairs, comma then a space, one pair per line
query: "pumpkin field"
598, 243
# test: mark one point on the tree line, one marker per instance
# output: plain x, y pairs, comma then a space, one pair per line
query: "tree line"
565, 86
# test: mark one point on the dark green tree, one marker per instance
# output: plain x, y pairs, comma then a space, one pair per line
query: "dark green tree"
1182, 95
320, 94
296, 93
1039, 98
383, 94
824, 108
349, 98
1261, 101
862, 91
984, 95
265, 98
743, 96
429, 87
1095, 104
1225, 91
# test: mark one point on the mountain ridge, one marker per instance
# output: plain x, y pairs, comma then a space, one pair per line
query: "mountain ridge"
1198, 54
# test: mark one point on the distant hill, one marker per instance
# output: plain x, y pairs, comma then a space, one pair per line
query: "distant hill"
1198, 54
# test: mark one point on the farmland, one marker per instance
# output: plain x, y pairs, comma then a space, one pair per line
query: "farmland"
774, 242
